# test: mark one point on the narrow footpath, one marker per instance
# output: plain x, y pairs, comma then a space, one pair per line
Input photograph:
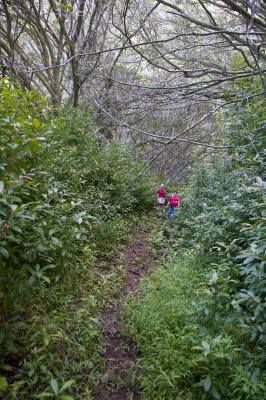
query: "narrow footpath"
117, 382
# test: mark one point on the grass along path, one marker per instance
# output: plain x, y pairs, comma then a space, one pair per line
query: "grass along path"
117, 381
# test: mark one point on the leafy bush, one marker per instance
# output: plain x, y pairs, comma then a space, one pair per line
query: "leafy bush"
178, 357
63, 341
186, 349
222, 223
55, 191
64, 202
28, 245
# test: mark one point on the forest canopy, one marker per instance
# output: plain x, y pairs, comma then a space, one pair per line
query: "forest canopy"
141, 67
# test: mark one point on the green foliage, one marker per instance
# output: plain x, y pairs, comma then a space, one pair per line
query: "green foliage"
64, 202
179, 358
228, 218
91, 185
63, 341
218, 236
56, 190
26, 252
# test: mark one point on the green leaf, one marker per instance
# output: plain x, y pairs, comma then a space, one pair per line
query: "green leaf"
67, 7
16, 228
215, 394
36, 123
94, 320
207, 383
205, 345
54, 386
196, 348
66, 397
34, 143
6, 367
4, 252
66, 385
217, 340
254, 376
3, 384
44, 394
40, 232
46, 279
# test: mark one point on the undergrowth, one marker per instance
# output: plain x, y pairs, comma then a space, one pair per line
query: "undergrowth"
200, 321
180, 355
66, 205
63, 341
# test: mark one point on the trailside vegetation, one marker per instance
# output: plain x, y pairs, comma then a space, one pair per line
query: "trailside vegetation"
200, 323
66, 203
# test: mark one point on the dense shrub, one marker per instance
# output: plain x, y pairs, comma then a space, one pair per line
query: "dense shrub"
222, 225
64, 199
186, 350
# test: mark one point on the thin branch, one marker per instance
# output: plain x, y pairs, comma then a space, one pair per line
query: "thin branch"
177, 137
135, 45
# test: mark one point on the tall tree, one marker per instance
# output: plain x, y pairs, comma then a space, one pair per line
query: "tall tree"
194, 59
40, 42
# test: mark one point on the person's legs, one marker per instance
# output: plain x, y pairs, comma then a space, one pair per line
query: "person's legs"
160, 205
170, 211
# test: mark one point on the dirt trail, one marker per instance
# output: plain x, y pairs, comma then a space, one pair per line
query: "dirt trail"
117, 383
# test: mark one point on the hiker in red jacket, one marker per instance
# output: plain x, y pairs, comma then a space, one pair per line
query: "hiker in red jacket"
161, 193
173, 204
